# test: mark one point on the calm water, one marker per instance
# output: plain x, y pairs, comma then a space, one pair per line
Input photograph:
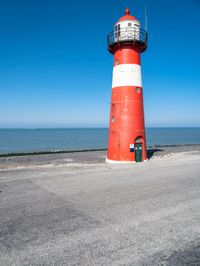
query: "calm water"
30, 140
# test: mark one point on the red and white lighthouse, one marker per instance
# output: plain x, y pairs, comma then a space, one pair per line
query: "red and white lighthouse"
127, 141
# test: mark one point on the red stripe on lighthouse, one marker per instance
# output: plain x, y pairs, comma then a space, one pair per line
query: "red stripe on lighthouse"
125, 54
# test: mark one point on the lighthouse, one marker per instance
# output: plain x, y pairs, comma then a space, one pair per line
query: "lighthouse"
127, 141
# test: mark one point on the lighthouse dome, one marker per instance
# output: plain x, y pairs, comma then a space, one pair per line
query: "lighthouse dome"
127, 16
127, 22
127, 30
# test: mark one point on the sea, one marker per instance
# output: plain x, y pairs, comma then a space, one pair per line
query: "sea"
72, 139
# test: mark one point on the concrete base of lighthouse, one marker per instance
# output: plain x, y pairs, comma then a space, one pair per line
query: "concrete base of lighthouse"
121, 162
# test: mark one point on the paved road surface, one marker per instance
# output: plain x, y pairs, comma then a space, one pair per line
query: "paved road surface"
98, 214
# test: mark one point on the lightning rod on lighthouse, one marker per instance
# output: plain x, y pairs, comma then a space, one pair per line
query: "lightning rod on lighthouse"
127, 141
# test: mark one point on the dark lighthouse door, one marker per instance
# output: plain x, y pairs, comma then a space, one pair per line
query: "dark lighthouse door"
138, 152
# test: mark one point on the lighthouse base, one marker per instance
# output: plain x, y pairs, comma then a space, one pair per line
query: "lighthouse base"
122, 162
119, 162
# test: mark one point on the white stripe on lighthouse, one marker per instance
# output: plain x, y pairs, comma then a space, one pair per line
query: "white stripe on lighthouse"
127, 75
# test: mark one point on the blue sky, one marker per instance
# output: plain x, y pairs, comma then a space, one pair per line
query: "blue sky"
55, 70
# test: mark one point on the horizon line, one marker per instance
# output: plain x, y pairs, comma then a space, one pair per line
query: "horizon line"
89, 127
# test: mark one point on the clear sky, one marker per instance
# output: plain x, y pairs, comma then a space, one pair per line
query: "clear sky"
55, 70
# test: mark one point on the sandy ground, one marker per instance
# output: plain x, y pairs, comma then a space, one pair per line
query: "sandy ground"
78, 213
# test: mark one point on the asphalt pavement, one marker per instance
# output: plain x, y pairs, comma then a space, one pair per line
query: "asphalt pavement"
99, 214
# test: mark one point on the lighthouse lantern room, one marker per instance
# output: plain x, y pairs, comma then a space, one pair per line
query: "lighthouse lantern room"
127, 141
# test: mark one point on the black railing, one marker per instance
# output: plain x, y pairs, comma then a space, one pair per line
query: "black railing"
129, 34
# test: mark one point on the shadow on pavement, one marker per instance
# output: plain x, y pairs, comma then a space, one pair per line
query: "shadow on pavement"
150, 152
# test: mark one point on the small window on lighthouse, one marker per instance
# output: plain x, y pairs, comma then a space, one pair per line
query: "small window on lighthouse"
118, 30
113, 119
129, 24
138, 90
116, 62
